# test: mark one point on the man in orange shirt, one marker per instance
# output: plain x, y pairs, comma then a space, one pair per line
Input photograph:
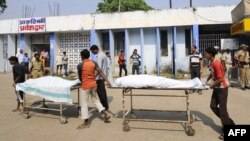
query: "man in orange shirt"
122, 64
87, 74
219, 85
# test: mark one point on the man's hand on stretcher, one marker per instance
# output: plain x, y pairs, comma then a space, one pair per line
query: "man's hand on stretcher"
108, 84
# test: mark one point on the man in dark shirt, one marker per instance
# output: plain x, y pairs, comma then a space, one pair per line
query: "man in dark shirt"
19, 77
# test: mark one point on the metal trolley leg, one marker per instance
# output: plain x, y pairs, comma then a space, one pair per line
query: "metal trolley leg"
189, 130
62, 119
126, 127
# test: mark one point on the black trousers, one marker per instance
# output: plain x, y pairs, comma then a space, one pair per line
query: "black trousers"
219, 105
195, 72
122, 66
101, 91
26, 65
135, 68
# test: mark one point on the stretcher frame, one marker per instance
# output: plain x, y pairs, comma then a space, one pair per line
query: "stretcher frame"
129, 115
45, 108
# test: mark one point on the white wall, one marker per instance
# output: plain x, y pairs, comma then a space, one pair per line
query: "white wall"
11, 49
27, 43
98, 39
181, 57
213, 15
56, 49
131, 21
150, 49
137, 19
166, 61
134, 43
69, 23
8, 26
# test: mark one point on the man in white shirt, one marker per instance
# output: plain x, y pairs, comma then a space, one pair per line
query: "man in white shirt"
59, 62
227, 58
109, 61
102, 62
20, 56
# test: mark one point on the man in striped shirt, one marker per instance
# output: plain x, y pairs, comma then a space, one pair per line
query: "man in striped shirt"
195, 64
135, 62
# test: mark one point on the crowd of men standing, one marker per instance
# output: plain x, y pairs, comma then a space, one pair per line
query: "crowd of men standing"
235, 63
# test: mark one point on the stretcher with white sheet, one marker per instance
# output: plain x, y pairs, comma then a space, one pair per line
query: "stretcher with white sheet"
52, 90
139, 83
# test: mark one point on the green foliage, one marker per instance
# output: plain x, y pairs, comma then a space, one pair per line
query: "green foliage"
2, 5
125, 5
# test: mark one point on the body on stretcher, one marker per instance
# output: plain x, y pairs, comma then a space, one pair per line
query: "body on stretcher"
54, 89
130, 83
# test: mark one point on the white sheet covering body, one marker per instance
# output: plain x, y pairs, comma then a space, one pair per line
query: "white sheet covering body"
149, 81
51, 88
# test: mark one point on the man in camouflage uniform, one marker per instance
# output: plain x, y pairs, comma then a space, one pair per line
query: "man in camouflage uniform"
37, 67
242, 56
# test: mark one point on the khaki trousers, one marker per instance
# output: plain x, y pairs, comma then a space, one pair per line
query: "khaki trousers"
243, 76
228, 72
84, 96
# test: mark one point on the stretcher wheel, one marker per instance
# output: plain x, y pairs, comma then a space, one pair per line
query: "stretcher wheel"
126, 128
26, 115
190, 131
125, 122
63, 120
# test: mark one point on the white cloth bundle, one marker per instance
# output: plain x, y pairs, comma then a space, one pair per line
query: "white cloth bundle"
52, 88
149, 81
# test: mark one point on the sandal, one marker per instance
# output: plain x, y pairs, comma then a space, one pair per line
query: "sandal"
221, 137
106, 119
16, 110
84, 125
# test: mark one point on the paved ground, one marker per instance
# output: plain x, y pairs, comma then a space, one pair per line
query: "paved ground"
46, 126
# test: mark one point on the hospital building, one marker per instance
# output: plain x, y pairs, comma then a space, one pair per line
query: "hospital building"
163, 38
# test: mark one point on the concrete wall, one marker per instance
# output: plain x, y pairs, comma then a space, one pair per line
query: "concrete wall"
150, 49
27, 43
69, 23
166, 61
11, 49
8, 26
56, 49
181, 57
137, 19
131, 22
134, 43
213, 15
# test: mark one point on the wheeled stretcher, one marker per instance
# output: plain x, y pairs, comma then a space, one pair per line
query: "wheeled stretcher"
54, 89
129, 115
45, 108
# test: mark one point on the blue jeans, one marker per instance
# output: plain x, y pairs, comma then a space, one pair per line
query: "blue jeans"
65, 66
